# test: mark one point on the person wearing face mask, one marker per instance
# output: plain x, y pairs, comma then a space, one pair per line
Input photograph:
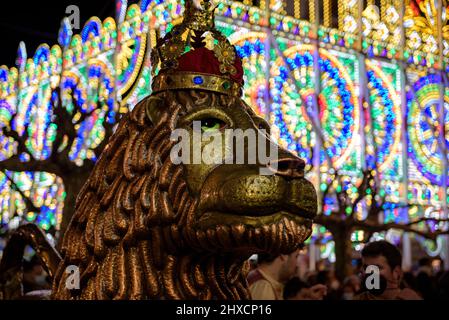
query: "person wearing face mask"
387, 258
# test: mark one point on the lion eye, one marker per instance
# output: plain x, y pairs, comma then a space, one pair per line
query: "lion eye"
212, 124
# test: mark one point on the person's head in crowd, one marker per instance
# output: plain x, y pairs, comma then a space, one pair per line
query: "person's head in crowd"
334, 283
296, 289
424, 280
348, 292
329, 279
267, 281
351, 286
425, 266
425, 262
388, 259
283, 266
322, 277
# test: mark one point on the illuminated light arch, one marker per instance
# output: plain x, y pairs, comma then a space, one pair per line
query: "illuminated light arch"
75, 50
90, 132
133, 43
75, 84
24, 109
8, 81
35, 106
159, 16
55, 65
423, 109
144, 4
92, 44
251, 48
288, 112
391, 135
73, 81
42, 53
289, 109
42, 64
346, 143
39, 143
6, 112
91, 29
109, 30
301, 57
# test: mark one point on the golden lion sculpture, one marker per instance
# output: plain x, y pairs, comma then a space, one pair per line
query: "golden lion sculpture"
147, 228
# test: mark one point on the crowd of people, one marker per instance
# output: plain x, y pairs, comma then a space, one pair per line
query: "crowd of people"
378, 275
281, 278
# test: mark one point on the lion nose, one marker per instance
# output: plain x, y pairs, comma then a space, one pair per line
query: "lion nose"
288, 167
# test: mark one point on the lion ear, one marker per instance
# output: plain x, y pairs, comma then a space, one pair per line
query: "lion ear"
153, 109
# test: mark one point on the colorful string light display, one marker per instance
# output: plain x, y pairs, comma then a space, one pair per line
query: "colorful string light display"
292, 100
423, 113
384, 99
425, 146
306, 68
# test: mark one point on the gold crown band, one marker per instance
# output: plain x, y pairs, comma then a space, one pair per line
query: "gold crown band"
187, 80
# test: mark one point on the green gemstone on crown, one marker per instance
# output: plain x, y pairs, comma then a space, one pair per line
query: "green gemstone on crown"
226, 85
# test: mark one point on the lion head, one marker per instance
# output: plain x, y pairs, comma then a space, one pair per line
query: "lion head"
145, 228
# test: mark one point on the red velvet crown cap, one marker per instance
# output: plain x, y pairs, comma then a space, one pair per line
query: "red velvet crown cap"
203, 60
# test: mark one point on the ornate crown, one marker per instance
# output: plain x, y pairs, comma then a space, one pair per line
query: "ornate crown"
195, 55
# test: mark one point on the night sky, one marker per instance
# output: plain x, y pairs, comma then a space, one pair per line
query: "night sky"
36, 22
